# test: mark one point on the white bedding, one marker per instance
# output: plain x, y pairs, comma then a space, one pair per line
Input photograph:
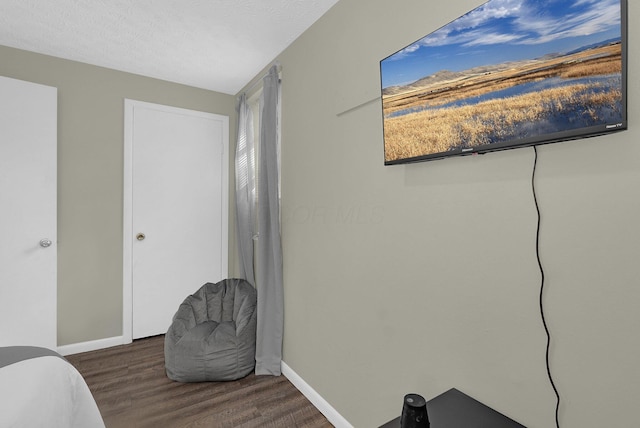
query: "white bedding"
46, 392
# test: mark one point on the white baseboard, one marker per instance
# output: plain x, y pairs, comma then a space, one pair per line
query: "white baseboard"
76, 348
336, 419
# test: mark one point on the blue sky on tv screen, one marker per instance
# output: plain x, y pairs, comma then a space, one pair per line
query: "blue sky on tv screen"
505, 30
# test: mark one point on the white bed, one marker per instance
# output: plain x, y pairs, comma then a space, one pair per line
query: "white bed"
39, 388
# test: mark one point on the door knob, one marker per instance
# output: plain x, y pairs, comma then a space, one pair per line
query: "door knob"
44, 243
140, 236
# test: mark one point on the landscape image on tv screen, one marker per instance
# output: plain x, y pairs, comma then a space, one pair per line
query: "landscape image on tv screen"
509, 73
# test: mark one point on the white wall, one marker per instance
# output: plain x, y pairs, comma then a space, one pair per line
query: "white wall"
424, 277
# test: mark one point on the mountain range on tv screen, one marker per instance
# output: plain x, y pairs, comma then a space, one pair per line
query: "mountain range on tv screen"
596, 45
446, 75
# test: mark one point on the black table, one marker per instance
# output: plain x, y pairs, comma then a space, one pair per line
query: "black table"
454, 409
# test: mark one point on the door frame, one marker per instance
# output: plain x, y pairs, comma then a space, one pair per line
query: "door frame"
127, 225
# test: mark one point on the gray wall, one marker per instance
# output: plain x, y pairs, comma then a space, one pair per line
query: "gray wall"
424, 277
90, 173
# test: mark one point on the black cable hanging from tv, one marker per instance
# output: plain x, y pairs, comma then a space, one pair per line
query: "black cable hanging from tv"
544, 322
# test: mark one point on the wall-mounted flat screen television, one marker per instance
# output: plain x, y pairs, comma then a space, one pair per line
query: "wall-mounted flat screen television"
507, 74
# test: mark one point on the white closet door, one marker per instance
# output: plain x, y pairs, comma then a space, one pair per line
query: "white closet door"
178, 232
28, 246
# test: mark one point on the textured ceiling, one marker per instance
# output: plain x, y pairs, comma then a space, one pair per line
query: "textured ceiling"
213, 44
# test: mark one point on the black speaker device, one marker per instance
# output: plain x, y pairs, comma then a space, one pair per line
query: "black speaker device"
414, 412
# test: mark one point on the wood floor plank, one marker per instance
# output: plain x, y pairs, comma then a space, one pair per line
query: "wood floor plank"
132, 391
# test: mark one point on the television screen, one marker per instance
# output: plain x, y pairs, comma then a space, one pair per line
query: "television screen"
509, 73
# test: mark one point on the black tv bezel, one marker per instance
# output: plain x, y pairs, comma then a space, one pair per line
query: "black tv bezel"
557, 137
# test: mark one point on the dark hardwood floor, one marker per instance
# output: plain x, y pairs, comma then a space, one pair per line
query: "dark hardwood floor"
131, 389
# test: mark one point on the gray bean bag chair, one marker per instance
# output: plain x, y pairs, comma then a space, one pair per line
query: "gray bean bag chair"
213, 334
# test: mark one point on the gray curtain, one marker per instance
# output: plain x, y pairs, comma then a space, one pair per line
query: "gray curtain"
269, 247
245, 189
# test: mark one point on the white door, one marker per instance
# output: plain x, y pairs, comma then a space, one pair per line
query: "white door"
28, 259
177, 229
